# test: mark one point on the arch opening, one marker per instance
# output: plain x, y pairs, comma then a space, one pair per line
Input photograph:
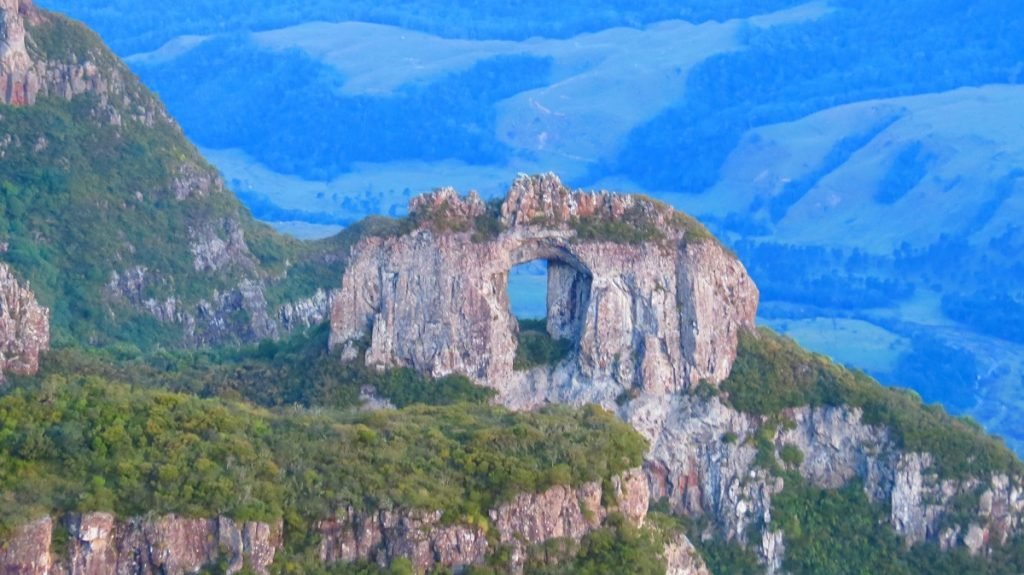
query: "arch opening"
548, 298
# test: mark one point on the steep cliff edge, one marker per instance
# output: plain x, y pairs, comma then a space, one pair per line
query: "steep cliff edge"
24, 327
99, 543
125, 232
661, 322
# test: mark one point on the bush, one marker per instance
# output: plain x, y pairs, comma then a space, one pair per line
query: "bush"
536, 347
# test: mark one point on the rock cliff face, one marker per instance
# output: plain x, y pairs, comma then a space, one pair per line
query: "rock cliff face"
528, 520
703, 459
28, 73
17, 83
100, 544
24, 327
681, 558
27, 550
657, 315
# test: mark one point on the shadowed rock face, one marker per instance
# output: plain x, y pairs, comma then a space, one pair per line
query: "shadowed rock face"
24, 327
649, 302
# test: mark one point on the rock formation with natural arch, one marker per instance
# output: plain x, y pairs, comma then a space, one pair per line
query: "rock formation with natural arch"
650, 301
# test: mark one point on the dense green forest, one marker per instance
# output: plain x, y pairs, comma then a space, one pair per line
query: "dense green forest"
72, 441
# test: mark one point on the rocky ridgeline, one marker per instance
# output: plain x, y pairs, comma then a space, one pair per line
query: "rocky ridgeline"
656, 316
24, 327
99, 543
703, 460
648, 320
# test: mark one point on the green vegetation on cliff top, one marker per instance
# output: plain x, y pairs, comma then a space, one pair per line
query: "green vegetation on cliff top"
773, 373
83, 443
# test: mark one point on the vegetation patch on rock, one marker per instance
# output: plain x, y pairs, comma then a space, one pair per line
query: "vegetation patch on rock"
772, 373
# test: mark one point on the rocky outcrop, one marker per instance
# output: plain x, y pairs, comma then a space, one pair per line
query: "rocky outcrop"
651, 311
383, 536
18, 82
219, 245
304, 313
703, 460
682, 558
654, 316
28, 73
24, 327
238, 314
521, 524
27, 550
99, 544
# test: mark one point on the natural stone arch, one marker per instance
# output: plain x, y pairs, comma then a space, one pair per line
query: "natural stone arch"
661, 312
568, 291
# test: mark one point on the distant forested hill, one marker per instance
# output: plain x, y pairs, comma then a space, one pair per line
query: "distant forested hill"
131, 27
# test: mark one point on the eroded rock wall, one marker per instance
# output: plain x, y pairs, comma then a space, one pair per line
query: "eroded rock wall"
526, 521
27, 73
99, 544
703, 459
24, 327
26, 551
657, 316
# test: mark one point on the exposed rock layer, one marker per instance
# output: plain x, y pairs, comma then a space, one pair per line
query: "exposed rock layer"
703, 460
100, 544
526, 521
24, 327
656, 315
